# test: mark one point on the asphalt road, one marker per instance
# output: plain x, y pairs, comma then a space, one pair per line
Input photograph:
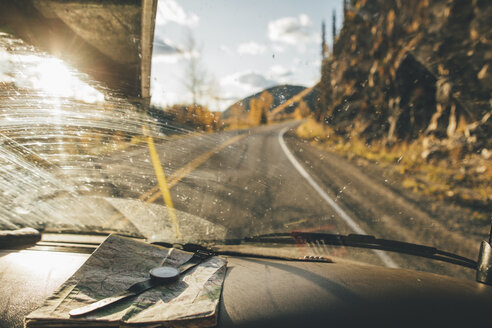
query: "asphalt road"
265, 180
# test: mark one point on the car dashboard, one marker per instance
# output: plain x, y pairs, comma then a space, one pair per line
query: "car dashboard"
262, 292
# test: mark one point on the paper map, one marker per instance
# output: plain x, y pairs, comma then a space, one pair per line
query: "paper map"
120, 262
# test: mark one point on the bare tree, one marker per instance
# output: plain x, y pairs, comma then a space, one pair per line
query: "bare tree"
195, 75
214, 91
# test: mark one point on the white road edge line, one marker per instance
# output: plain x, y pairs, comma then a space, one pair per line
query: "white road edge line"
350, 222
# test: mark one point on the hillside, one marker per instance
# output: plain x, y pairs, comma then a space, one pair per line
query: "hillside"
413, 79
415, 68
280, 95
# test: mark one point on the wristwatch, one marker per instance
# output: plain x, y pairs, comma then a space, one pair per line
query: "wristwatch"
158, 276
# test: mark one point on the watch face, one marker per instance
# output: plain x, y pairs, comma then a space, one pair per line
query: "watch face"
164, 273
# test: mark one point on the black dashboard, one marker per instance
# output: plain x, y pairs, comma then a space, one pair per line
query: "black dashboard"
276, 293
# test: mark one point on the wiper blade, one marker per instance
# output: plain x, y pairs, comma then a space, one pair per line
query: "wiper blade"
363, 241
192, 248
351, 240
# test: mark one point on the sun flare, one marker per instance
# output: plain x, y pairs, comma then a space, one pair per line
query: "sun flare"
53, 77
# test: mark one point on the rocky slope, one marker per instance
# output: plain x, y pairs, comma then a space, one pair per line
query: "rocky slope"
415, 75
403, 69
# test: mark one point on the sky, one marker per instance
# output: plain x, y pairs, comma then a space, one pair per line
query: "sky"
242, 47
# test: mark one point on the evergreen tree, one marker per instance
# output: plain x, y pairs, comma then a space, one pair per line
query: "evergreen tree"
334, 25
259, 108
324, 47
266, 102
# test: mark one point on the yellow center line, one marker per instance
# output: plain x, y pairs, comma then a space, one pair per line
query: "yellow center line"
193, 165
295, 222
161, 179
148, 193
154, 193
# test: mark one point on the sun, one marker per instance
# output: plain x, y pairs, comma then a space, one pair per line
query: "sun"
53, 77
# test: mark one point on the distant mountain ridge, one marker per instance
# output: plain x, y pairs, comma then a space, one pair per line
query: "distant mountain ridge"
280, 93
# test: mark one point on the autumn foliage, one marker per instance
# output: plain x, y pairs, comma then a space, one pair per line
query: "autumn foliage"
259, 108
195, 117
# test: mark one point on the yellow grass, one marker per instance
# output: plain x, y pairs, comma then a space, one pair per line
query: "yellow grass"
466, 181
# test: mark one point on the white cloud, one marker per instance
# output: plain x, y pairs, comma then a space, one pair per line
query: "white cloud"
256, 80
248, 80
307, 63
174, 57
292, 30
164, 99
167, 59
277, 48
240, 85
280, 71
251, 48
171, 11
224, 48
166, 94
165, 47
167, 52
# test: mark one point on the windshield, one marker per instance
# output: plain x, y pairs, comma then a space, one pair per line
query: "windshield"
192, 121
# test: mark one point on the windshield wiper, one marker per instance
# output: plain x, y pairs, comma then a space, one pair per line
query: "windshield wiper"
362, 241
313, 238
193, 247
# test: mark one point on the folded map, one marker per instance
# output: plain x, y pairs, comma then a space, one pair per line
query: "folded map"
118, 263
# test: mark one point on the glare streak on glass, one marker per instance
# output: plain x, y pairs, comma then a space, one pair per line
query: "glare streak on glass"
55, 126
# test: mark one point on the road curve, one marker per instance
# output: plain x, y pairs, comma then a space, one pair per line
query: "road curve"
269, 181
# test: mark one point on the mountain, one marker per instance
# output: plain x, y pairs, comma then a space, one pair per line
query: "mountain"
281, 94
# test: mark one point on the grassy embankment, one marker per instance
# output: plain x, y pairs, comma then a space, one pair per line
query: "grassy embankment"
465, 182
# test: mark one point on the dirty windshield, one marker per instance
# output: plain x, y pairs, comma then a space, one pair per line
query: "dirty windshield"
188, 121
